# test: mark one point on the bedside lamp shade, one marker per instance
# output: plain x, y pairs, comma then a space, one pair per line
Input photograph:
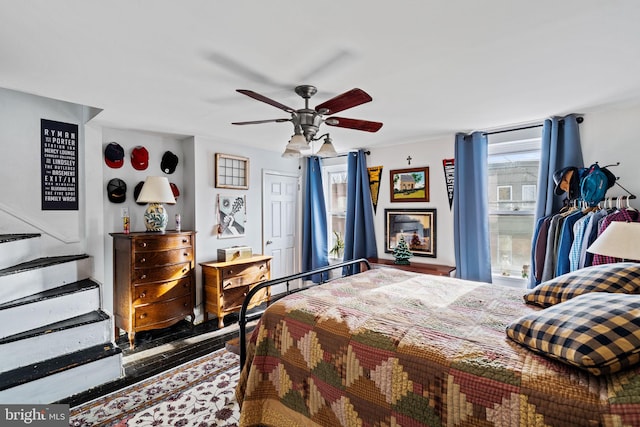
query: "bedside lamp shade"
156, 191
619, 240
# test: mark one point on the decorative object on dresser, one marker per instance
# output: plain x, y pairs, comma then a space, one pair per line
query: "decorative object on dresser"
226, 284
156, 191
153, 279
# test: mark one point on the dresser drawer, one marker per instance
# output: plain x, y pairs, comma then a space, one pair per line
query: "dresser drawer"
154, 292
162, 312
242, 275
158, 258
168, 242
160, 274
233, 298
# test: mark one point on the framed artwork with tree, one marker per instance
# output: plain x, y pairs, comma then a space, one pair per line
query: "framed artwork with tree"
410, 185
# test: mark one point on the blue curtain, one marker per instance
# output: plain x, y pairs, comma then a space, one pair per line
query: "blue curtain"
471, 208
314, 221
560, 148
360, 239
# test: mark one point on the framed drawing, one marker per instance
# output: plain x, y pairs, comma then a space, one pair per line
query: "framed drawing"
232, 214
410, 185
232, 171
418, 226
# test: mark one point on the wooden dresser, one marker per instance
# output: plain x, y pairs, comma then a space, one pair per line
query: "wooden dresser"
154, 280
225, 284
418, 267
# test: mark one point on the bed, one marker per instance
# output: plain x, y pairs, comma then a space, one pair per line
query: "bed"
387, 347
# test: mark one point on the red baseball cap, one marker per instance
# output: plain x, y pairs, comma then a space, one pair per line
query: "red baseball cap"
174, 189
139, 158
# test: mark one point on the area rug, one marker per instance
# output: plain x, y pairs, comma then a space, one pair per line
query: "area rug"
197, 393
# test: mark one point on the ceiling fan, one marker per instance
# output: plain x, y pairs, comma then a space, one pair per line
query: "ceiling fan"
307, 121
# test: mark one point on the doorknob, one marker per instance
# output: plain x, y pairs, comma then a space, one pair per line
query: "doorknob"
268, 242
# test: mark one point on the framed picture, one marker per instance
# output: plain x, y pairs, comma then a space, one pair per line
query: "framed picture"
232, 214
410, 185
232, 171
417, 226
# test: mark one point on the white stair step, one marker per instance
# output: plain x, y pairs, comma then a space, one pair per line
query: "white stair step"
51, 306
56, 379
53, 340
42, 274
18, 248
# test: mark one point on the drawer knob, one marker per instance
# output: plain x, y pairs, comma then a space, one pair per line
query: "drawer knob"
143, 244
186, 254
184, 240
144, 276
261, 266
143, 295
184, 270
143, 260
143, 315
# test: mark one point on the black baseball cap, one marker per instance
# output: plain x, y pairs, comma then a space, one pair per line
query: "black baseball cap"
117, 190
169, 162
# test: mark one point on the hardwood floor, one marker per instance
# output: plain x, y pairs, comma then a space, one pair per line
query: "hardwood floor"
162, 349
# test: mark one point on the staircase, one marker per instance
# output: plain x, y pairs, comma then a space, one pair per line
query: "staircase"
55, 341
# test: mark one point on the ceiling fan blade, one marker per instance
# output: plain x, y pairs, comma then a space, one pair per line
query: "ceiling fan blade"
344, 101
263, 98
244, 70
256, 122
357, 124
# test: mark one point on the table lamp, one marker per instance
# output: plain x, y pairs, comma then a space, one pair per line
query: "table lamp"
156, 191
620, 239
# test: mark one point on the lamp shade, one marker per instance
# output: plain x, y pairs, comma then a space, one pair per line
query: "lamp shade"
156, 189
327, 149
619, 240
291, 152
298, 141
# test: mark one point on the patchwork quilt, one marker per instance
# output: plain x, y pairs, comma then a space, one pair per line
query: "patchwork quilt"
392, 348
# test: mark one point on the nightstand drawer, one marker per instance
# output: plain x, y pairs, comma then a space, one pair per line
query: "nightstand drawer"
151, 293
233, 298
241, 275
162, 312
168, 242
160, 274
158, 258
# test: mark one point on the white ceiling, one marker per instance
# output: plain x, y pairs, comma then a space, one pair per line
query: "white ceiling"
432, 67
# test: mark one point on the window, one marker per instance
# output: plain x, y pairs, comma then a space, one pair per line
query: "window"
335, 190
512, 183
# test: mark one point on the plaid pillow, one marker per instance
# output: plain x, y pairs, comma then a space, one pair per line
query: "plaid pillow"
599, 332
621, 277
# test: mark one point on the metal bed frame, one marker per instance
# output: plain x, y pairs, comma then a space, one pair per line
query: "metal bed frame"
348, 268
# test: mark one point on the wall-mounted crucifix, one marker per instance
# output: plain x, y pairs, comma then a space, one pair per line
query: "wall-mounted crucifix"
409, 160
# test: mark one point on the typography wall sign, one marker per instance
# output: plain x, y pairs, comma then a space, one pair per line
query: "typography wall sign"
59, 165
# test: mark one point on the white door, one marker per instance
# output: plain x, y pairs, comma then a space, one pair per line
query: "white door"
280, 222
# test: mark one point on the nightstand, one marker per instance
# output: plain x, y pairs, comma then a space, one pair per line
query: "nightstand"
225, 284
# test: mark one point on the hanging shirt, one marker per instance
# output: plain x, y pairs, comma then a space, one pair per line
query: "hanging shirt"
564, 242
540, 247
578, 237
590, 234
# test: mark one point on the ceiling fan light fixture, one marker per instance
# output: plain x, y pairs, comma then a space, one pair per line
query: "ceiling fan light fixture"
298, 142
291, 153
327, 149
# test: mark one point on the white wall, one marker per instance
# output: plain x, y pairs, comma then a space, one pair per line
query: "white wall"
611, 136
207, 241
20, 198
429, 154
